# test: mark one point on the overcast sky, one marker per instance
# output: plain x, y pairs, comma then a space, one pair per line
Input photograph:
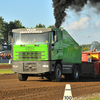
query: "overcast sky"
84, 27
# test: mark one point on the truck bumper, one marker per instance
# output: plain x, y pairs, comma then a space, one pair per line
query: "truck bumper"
31, 67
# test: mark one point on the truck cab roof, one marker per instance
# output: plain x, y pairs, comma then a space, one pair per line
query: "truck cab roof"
33, 30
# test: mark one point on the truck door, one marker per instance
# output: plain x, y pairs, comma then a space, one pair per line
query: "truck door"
56, 46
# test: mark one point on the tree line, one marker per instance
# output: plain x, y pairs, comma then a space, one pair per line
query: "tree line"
85, 47
6, 28
91, 47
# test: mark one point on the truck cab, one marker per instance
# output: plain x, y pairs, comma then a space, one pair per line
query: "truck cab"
44, 52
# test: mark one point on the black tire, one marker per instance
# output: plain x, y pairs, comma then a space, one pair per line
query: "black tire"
58, 73
22, 77
75, 73
56, 76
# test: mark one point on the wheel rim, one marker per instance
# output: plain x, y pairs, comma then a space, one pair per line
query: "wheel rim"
58, 73
76, 74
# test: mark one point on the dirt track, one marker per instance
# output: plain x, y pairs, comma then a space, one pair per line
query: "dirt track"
6, 66
37, 89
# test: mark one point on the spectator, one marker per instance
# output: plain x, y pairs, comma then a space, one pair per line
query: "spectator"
5, 56
2, 56
9, 56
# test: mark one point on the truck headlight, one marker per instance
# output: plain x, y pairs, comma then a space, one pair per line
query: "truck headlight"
15, 66
44, 65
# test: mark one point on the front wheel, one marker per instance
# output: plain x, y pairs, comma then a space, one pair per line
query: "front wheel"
56, 76
22, 77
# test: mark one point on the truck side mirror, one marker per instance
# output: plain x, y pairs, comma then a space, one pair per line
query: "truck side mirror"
52, 44
56, 38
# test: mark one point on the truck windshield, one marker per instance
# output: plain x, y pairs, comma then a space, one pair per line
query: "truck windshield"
30, 38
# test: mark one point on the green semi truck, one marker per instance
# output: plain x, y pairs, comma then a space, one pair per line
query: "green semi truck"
45, 52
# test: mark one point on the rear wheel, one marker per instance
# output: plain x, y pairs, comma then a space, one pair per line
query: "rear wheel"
75, 73
22, 77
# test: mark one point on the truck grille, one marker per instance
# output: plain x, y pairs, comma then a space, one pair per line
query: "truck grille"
31, 55
30, 67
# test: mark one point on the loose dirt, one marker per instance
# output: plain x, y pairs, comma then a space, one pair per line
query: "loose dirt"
6, 66
42, 89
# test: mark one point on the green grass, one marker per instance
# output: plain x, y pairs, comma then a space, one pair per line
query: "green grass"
98, 98
5, 64
6, 71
